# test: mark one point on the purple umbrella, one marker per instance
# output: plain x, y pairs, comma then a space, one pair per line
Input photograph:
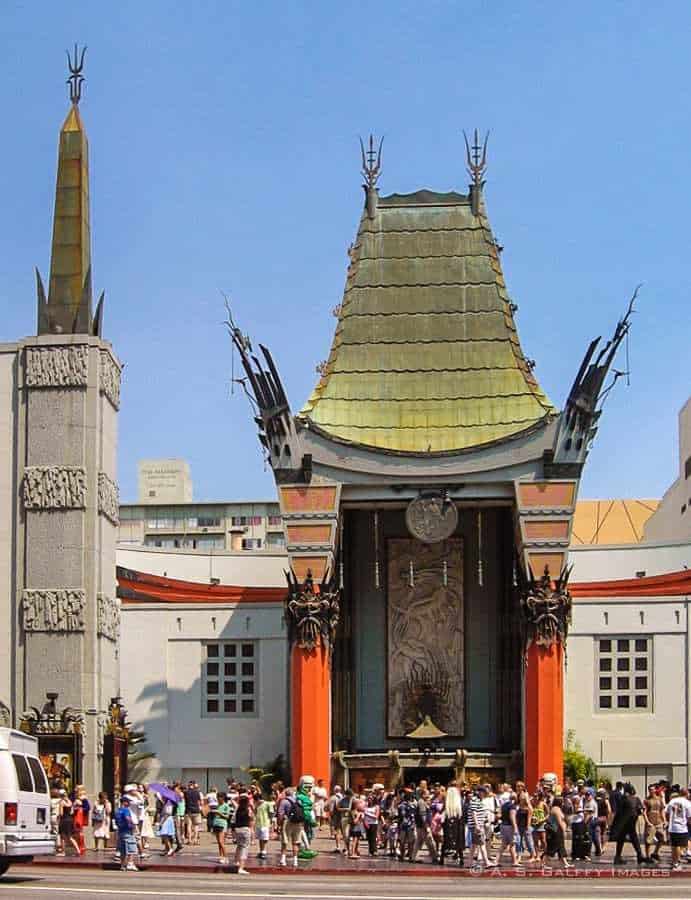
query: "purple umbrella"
165, 792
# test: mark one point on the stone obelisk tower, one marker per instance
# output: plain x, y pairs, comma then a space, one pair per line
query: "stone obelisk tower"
66, 382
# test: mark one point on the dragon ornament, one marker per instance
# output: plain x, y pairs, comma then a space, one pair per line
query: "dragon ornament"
312, 613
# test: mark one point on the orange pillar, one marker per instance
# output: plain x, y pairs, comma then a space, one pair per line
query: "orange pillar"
544, 713
310, 734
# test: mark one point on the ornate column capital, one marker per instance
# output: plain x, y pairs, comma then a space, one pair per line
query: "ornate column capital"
311, 613
546, 609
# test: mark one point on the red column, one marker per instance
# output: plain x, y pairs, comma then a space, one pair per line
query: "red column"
544, 713
310, 733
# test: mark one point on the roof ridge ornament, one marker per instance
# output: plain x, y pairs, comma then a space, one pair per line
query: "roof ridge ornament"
76, 79
476, 164
371, 170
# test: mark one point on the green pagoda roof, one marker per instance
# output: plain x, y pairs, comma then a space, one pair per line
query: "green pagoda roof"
426, 356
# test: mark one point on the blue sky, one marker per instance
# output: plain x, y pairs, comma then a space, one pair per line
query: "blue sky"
224, 156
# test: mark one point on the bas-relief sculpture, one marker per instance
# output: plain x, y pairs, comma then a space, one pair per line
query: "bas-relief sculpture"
107, 617
50, 367
425, 635
56, 610
108, 499
5, 715
109, 378
54, 487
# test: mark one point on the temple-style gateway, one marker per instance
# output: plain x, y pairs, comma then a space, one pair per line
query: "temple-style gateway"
427, 489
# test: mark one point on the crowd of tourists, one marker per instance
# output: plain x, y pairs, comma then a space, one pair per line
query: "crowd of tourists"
479, 826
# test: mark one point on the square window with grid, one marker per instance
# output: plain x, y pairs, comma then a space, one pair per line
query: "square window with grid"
623, 676
229, 678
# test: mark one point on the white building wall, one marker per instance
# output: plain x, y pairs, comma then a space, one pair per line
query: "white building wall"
8, 393
246, 568
638, 746
610, 563
672, 519
161, 677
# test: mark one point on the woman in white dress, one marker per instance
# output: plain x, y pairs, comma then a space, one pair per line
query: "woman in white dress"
147, 817
319, 797
100, 818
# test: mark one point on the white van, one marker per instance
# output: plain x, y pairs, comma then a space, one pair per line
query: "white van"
24, 801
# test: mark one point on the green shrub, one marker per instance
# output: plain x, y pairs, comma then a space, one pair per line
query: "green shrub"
576, 763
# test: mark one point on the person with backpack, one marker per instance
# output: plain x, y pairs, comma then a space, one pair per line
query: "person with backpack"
291, 823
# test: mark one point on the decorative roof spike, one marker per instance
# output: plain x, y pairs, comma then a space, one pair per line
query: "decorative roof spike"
76, 79
371, 170
68, 307
476, 164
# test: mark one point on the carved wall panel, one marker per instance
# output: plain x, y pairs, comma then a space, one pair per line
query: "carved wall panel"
108, 498
425, 632
107, 617
109, 378
48, 367
57, 610
54, 487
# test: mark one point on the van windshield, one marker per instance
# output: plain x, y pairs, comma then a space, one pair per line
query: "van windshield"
24, 781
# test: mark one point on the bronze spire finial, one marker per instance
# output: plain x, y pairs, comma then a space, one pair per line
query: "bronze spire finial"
476, 157
371, 162
371, 170
76, 78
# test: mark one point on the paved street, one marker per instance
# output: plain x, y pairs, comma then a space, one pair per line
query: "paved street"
36, 883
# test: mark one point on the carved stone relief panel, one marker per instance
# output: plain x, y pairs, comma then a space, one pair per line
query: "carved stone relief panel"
58, 610
425, 634
54, 487
108, 617
108, 498
109, 378
48, 367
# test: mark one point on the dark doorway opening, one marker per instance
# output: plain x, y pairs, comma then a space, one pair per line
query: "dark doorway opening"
431, 775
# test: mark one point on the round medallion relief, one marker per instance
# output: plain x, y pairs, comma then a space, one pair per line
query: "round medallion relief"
431, 518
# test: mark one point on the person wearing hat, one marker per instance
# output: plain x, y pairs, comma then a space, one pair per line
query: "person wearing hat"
127, 842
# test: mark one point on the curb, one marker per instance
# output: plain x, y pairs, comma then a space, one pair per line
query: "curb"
647, 874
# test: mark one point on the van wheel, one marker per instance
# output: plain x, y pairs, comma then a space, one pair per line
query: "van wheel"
4, 866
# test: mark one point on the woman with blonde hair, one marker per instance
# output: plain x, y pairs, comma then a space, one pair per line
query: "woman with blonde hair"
453, 837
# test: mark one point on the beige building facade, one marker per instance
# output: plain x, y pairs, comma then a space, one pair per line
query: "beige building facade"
164, 481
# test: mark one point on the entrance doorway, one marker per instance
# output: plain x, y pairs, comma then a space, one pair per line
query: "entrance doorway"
432, 775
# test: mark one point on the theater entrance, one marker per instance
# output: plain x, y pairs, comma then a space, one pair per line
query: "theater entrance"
432, 775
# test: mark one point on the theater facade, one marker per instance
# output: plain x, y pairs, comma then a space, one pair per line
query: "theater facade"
427, 489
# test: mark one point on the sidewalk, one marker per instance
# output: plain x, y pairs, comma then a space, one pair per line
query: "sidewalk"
204, 860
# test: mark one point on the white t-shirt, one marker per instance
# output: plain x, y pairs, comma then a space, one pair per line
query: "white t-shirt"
490, 804
678, 815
